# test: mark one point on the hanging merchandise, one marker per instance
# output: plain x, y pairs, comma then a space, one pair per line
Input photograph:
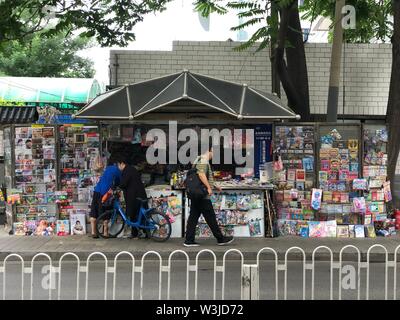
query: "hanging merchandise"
375, 172
80, 161
386, 191
316, 199
254, 227
295, 177
360, 184
359, 204
35, 174
168, 202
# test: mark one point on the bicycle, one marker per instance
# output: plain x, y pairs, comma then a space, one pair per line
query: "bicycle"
156, 224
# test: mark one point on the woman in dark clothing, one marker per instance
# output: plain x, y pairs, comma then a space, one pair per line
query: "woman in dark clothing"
133, 188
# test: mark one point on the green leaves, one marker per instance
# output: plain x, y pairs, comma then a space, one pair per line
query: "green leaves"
26, 59
206, 7
373, 20
111, 22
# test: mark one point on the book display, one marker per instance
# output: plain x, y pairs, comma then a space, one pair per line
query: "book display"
169, 202
79, 149
375, 173
8, 161
339, 177
294, 172
35, 175
239, 213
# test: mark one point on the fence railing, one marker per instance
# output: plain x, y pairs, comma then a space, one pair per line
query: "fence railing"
355, 278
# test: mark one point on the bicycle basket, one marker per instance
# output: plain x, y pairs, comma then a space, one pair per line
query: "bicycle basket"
107, 201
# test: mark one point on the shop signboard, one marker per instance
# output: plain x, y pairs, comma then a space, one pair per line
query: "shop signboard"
262, 147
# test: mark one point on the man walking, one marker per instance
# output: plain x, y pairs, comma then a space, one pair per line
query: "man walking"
133, 188
204, 206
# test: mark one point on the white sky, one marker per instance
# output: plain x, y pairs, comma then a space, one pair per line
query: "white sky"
158, 31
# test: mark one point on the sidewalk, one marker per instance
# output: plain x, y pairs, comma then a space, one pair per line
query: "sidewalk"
55, 247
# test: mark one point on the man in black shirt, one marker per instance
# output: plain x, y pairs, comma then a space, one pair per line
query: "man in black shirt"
133, 188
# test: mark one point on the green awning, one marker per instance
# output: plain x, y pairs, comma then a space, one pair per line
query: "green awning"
49, 90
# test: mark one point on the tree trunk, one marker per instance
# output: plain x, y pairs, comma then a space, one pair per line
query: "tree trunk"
336, 57
393, 108
294, 99
275, 81
296, 62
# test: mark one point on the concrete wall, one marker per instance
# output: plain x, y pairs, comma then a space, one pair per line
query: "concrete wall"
366, 77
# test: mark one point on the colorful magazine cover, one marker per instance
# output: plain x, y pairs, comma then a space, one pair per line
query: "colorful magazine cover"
317, 229
231, 217
254, 227
352, 231
216, 199
387, 192
359, 204
221, 217
316, 199
78, 223
228, 231
62, 227
371, 231
331, 226
18, 228
360, 184
175, 205
243, 202
323, 175
300, 175
308, 164
359, 231
228, 202
30, 227
291, 174
256, 201
342, 231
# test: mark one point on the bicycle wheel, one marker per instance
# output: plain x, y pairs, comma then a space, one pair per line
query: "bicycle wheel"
162, 229
114, 221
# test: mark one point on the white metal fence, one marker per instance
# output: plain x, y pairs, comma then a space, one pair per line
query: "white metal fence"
356, 279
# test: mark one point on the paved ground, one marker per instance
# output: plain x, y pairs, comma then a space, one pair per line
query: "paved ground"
84, 245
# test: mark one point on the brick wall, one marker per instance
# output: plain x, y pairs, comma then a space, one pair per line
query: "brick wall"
366, 77
367, 70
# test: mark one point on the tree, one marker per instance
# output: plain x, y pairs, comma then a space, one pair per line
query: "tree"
109, 21
336, 60
60, 52
374, 23
393, 108
283, 34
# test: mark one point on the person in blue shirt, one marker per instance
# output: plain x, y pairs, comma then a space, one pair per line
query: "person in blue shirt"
111, 177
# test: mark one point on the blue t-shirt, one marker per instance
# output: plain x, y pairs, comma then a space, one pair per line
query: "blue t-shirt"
111, 176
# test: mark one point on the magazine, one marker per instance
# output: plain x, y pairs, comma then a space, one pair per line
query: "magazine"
342, 231
78, 223
62, 227
19, 229
317, 229
30, 227
359, 231
254, 227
